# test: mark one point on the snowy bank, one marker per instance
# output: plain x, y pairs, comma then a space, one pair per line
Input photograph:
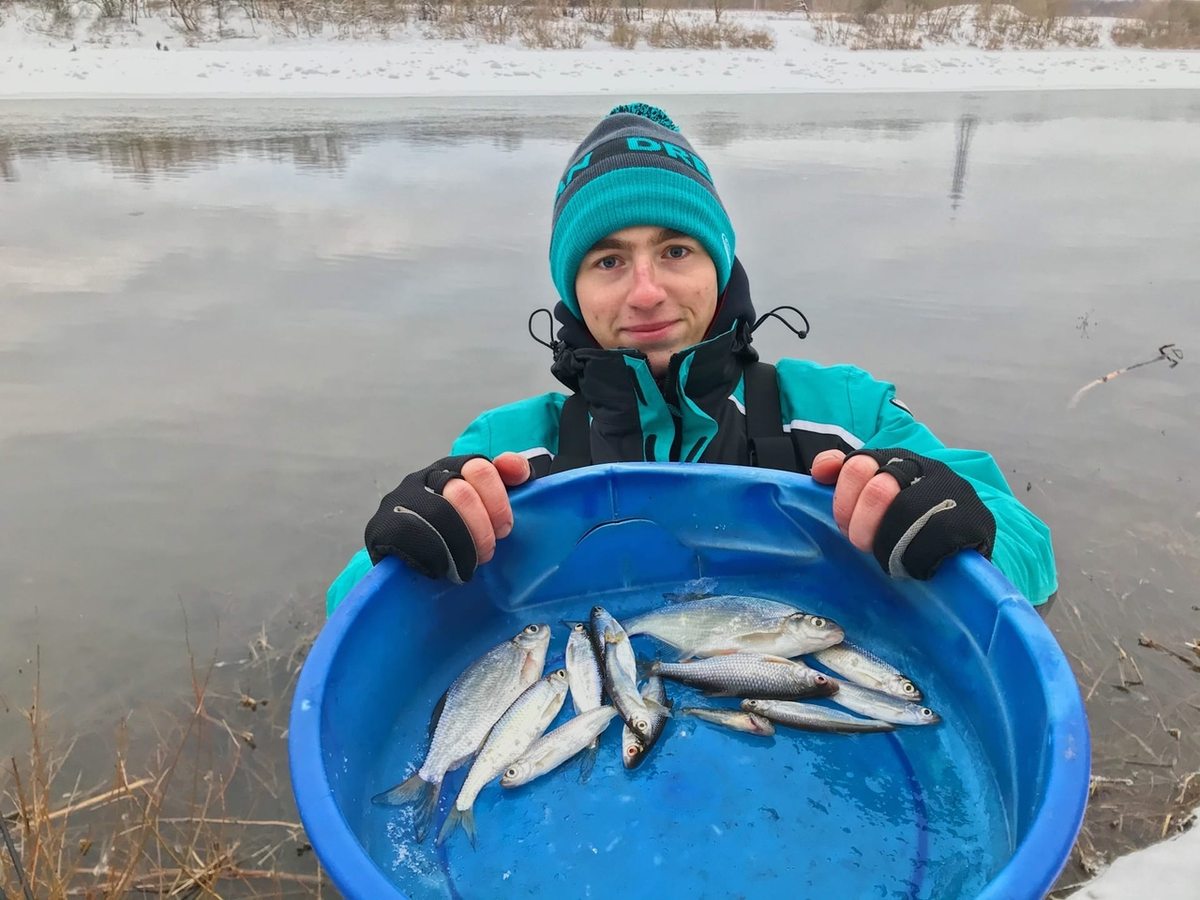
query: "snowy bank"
257, 58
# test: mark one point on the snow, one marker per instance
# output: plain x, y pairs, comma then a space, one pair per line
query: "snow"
106, 58
1166, 871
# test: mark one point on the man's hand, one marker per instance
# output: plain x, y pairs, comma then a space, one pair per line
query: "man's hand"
481, 498
861, 496
910, 511
445, 519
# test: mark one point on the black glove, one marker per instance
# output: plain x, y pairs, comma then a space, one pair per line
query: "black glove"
418, 525
936, 513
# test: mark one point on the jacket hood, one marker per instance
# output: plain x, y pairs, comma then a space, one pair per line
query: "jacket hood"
735, 311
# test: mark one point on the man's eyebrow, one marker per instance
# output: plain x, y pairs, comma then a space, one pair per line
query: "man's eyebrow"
608, 243
612, 243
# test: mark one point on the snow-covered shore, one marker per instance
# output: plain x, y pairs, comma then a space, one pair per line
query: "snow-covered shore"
121, 60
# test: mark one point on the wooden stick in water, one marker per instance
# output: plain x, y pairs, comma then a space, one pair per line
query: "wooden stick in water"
1167, 352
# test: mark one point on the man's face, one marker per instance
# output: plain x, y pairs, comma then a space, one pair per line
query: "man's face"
647, 288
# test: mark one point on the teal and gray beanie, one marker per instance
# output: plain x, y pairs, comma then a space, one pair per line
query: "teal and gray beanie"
635, 168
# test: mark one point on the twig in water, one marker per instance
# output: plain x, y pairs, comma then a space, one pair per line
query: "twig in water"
1168, 352
1154, 645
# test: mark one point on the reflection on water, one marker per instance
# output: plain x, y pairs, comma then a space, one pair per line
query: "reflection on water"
226, 328
966, 130
168, 139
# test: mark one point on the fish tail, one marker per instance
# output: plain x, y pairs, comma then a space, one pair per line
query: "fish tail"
587, 761
414, 789
457, 817
646, 667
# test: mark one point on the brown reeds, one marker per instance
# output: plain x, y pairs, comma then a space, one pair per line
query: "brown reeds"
180, 822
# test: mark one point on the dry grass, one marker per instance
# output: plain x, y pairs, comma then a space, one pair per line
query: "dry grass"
1173, 25
179, 814
672, 30
913, 24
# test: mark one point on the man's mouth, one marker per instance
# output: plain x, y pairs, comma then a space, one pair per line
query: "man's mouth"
649, 329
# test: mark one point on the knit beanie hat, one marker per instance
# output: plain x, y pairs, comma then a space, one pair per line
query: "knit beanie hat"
635, 168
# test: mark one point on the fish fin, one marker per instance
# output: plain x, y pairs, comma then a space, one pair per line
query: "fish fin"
647, 667
456, 817
587, 761
662, 709
414, 789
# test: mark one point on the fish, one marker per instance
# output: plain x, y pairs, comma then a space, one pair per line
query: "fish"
634, 748
587, 686
619, 666
876, 704
749, 675
555, 748
811, 717
522, 724
733, 719
704, 625
472, 704
863, 667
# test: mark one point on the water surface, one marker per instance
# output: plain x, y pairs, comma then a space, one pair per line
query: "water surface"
227, 328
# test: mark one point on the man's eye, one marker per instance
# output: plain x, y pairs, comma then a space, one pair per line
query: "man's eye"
677, 252
609, 262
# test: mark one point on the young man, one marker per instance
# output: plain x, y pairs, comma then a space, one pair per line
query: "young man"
655, 347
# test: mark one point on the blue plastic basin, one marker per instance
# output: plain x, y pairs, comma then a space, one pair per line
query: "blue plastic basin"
986, 804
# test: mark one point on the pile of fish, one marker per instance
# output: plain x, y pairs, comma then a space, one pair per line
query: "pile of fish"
497, 711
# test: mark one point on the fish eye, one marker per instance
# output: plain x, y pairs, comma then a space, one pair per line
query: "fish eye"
633, 751
642, 725
821, 679
818, 621
926, 712
909, 687
578, 626
512, 772
532, 629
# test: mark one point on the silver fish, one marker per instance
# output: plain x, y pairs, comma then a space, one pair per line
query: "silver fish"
634, 748
733, 719
811, 717
587, 682
587, 686
863, 667
620, 671
461, 720
867, 702
553, 749
706, 625
521, 724
749, 675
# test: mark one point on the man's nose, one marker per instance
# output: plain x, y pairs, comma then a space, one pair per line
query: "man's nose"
646, 289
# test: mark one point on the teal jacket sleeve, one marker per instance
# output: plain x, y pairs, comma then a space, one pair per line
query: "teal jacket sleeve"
525, 426
1023, 551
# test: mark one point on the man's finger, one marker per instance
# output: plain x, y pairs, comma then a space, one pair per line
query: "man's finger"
467, 503
514, 468
826, 465
484, 477
873, 502
852, 478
